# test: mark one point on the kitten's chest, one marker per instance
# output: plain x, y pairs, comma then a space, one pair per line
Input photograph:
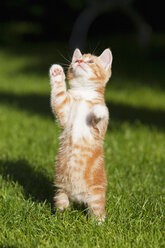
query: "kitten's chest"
78, 120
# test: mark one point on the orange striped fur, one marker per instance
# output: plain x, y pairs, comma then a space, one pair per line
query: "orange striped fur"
83, 116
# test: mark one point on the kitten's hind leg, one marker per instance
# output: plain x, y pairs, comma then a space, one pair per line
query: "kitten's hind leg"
96, 205
61, 200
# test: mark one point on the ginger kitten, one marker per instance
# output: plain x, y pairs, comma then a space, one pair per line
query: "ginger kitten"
83, 116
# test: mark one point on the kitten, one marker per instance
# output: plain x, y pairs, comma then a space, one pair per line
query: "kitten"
83, 116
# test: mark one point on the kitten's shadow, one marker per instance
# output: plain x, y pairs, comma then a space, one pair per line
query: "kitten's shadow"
35, 184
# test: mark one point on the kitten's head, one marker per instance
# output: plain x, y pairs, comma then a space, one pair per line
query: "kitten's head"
88, 70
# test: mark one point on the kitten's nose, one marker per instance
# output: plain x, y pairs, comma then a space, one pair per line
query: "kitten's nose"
79, 61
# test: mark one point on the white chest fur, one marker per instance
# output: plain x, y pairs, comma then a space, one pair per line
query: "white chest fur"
78, 120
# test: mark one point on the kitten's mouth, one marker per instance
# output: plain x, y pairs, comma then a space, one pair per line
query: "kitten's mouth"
80, 66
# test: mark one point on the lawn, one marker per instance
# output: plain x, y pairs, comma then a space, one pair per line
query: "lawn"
134, 150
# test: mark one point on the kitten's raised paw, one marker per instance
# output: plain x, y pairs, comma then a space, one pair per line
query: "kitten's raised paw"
56, 73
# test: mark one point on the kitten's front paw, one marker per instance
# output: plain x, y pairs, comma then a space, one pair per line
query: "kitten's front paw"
56, 73
100, 111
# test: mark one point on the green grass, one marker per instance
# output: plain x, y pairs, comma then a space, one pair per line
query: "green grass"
134, 152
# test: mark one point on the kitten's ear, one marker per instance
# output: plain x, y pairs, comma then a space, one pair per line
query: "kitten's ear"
76, 55
106, 58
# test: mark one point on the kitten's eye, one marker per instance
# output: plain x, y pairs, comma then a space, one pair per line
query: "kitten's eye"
90, 61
